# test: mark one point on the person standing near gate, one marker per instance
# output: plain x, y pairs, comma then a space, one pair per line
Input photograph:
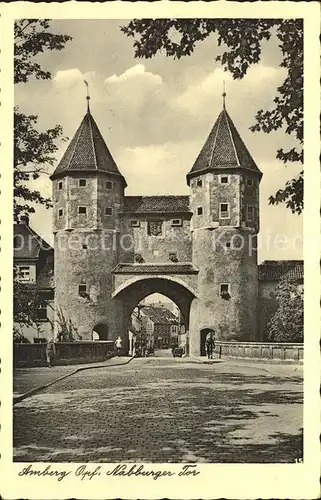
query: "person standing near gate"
50, 352
210, 344
118, 344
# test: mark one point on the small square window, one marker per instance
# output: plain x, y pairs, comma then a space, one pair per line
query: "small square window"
134, 223
82, 210
109, 185
24, 273
228, 244
176, 222
224, 211
84, 247
82, 182
60, 185
199, 210
199, 183
82, 289
250, 182
250, 213
224, 179
225, 290
108, 211
60, 212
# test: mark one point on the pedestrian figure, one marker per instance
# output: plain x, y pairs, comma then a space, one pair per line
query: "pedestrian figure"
50, 352
210, 344
118, 345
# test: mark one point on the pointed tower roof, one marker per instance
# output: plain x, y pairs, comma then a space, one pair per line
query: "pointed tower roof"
223, 149
87, 152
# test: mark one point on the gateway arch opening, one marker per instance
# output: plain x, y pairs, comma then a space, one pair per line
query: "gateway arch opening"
137, 292
156, 326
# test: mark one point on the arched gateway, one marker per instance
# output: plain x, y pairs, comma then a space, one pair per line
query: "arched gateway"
132, 289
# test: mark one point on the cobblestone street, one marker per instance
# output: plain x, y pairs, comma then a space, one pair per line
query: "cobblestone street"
166, 410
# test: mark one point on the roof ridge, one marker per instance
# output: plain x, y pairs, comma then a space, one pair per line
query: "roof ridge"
92, 140
218, 127
231, 137
76, 142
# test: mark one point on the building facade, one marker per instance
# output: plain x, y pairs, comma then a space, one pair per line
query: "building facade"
199, 250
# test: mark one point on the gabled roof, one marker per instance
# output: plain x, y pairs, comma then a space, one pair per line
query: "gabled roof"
159, 315
274, 270
87, 152
27, 243
223, 149
156, 204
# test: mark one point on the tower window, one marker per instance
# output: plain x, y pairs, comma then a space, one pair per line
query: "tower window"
82, 210
224, 179
225, 290
224, 211
134, 223
199, 183
60, 185
109, 185
199, 210
250, 212
108, 211
82, 182
60, 212
176, 222
82, 289
250, 182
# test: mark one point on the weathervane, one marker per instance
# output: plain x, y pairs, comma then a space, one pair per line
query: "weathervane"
224, 94
88, 96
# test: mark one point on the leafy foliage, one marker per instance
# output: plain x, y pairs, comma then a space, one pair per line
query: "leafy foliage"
33, 150
26, 303
241, 41
287, 323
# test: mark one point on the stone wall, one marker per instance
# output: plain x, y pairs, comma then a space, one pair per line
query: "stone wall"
260, 350
28, 355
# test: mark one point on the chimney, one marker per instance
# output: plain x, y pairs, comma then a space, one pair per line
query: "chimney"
24, 219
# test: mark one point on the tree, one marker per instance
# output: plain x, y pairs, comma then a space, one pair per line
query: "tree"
26, 304
240, 41
287, 323
33, 150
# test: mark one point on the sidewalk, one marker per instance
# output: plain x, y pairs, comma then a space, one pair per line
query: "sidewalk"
28, 381
285, 369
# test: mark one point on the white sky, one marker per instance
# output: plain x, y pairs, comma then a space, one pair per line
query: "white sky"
155, 115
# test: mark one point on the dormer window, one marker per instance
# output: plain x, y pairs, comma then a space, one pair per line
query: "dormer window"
250, 213
224, 179
82, 182
82, 210
109, 185
60, 185
224, 210
199, 183
176, 222
199, 210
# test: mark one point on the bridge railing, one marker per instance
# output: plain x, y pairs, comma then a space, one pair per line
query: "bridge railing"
27, 355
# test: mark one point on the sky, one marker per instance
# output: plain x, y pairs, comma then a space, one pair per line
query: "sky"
155, 116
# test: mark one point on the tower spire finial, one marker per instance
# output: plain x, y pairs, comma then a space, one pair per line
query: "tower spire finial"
88, 96
224, 94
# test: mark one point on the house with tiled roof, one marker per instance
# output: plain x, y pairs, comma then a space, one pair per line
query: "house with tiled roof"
33, 260
198, 250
